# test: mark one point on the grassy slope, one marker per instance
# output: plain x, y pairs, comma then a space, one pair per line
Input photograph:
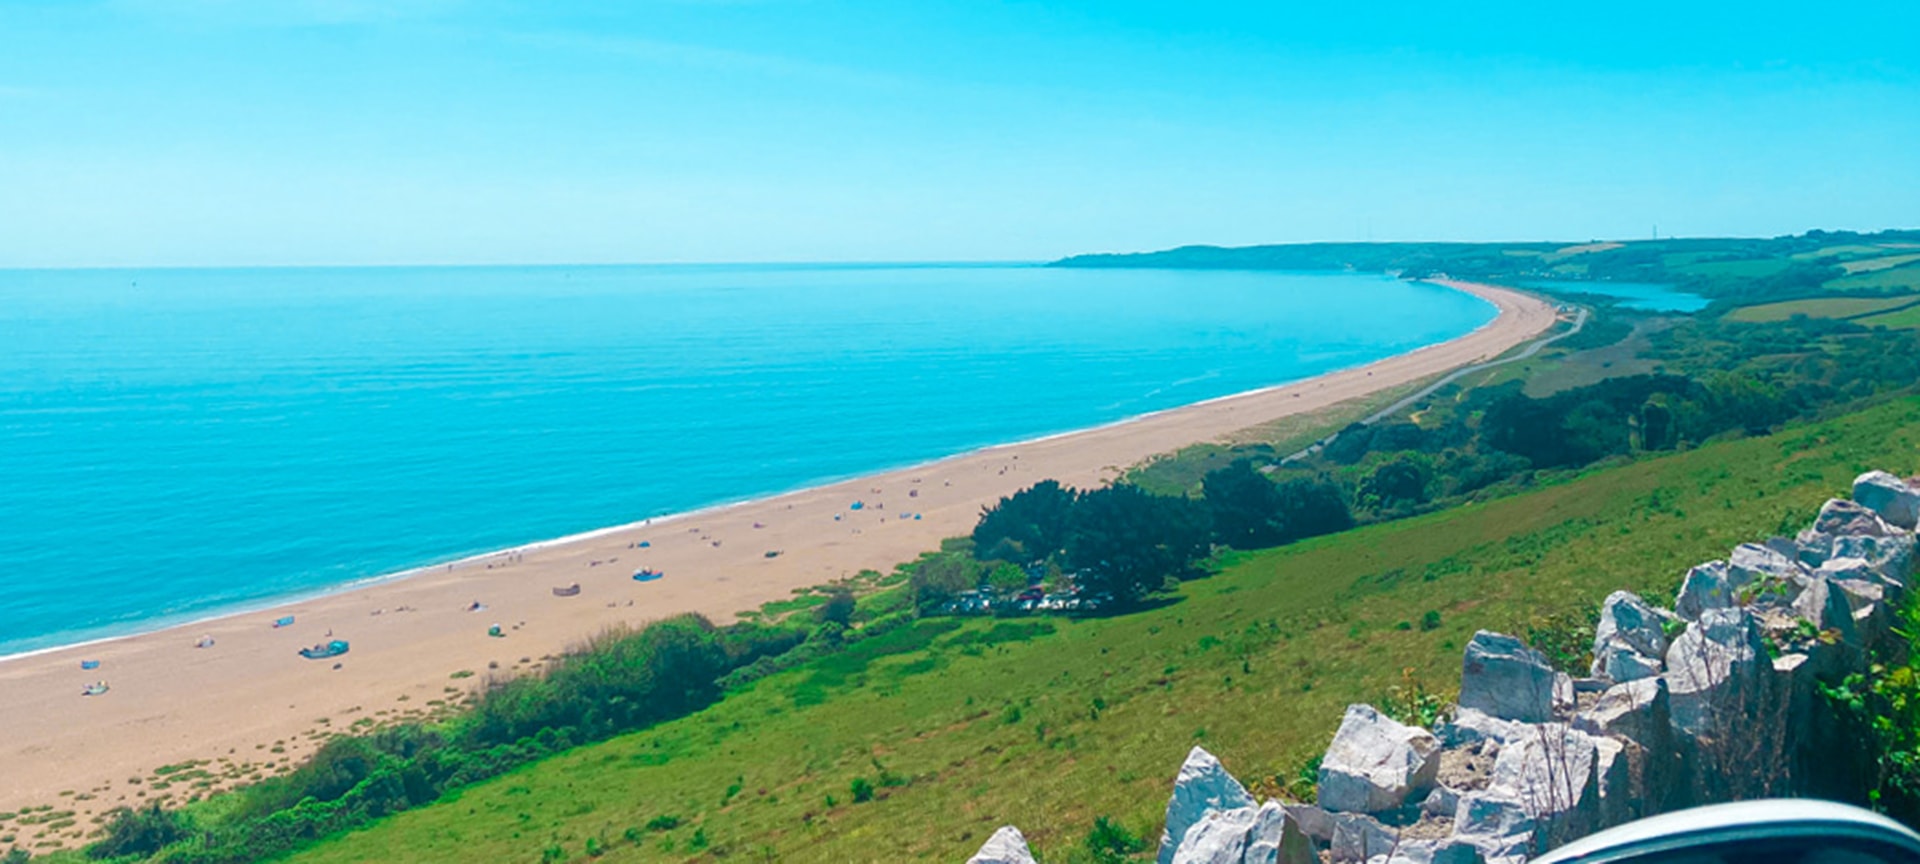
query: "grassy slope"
1825, 307
1255, 662
1908, 318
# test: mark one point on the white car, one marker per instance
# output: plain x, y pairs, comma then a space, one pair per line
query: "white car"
1779, 831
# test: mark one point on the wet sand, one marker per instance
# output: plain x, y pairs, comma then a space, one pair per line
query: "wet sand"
251, 692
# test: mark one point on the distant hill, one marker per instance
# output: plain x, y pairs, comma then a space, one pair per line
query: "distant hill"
1741, 270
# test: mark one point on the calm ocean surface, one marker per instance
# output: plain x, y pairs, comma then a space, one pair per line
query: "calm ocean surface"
177, 443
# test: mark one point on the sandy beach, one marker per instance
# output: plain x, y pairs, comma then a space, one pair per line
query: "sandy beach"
252, 701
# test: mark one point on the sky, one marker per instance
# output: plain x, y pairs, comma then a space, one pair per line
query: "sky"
343, 132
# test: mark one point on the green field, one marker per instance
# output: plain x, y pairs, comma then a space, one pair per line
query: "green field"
1825, 307
1900, 278
960, 727
1908, 318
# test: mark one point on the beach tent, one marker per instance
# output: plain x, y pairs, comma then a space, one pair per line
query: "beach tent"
647, 575
494, 631
282, 622
646, 544
321, 652
89, 664
94, 689
858, 505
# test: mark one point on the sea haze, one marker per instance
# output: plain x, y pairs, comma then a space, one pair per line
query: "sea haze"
177, 443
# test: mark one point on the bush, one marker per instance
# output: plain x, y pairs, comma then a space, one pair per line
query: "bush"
862, 790
139, 832
1108, 842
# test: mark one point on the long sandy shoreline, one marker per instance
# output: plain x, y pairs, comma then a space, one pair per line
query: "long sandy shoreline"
252, 701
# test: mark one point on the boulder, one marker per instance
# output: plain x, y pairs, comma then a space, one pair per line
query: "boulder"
1554, 774
1315, 821
1375, 762
1619, 797
1358, 837
1203, 785
1640, 714
1471, 726
1629, 641
1496, 825
1889, 497
1716, 671
1247, 835
1890, 557
1444, 850
1708, 586
1006, 846
1637, 710
1506, 680
1840, 518
1442, 802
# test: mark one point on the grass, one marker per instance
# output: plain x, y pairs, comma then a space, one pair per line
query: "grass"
1180, 473
1897, 279
1824, 307
1908, 318
955, 728
1888, 262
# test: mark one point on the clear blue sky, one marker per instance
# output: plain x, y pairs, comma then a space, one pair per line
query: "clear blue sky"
181, 132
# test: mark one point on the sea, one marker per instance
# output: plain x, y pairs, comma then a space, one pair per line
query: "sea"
182, 443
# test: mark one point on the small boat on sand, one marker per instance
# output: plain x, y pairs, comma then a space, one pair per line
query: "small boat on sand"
324, 650
567, 590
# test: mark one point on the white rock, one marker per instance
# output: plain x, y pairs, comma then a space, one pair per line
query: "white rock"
1006, 846
1470, 726
1891, 497
1203, 785
1497, 825
1375, 762
1708, 586
1629, 641
1358, 837
1553, 773
1715, 671
1637, 711
1247, 835
1845, 518
1446, 850
1504, 678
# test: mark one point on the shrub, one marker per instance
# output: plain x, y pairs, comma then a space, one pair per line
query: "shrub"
862, 790
139, 832
1108, 842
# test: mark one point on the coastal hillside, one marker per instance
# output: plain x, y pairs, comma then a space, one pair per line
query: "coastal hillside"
919, 749
1733, 271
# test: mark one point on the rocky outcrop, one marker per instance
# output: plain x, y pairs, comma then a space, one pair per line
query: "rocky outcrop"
1376, 762
1266, 834
1710, 702
1201, 787
1006, 846
1504, 679
1889, 497
1630, 640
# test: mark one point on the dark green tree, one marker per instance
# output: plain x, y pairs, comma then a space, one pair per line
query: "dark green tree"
838, 608
1027, 526
937, 578
1397, 484
1312, 506
1244, 505
1132, 545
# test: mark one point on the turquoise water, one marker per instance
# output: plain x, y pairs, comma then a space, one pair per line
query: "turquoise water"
1645, 296
175, 443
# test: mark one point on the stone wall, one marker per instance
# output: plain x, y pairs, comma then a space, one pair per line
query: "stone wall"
1714, 700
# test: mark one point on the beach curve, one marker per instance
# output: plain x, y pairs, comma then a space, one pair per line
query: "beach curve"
251, 698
